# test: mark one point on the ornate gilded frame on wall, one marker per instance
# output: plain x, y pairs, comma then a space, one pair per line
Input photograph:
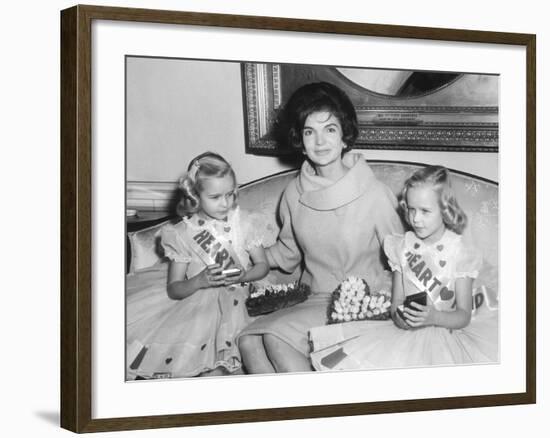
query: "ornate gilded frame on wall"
422, 122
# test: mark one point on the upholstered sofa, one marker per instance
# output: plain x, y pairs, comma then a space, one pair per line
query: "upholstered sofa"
477, 196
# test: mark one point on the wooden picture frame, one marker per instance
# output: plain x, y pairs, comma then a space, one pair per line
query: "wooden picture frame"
77, 239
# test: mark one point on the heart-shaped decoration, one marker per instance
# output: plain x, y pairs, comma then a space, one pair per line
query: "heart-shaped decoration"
227, 229
235, 302
201, 222
446, 294
416, 245
442, 263
440, 247
168, 360
228, 343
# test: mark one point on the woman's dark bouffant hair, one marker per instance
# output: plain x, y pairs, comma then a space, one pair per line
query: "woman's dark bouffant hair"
202, 167
439, 177
311, 98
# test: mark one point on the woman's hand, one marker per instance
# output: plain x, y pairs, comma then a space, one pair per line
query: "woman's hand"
419, 315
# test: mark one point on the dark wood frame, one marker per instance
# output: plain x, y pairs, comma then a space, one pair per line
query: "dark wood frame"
76, 222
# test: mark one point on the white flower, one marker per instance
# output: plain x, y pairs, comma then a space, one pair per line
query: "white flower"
347, 317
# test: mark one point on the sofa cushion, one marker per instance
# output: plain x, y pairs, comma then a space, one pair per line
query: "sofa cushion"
145, 248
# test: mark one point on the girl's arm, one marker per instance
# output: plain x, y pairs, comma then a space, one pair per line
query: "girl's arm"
179, 287
457, 319
258, 271
397, 298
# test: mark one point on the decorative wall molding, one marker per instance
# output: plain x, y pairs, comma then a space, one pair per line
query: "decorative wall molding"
151, 196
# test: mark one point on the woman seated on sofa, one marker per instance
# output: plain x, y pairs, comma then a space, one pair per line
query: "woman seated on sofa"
334, 217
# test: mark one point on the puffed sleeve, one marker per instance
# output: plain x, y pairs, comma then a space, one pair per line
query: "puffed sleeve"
173, 245
256, 230
387, 219
393, 243
468, 262
285, 253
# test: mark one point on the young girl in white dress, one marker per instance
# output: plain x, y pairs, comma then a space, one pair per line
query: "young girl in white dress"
186, 324
430, 259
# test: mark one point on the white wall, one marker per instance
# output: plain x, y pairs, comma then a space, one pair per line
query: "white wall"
30, 218
180, 108
169, 124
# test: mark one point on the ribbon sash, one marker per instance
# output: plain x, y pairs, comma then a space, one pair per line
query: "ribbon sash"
211, 247
426, 275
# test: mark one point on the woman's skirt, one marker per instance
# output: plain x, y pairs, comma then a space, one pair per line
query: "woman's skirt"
292, 324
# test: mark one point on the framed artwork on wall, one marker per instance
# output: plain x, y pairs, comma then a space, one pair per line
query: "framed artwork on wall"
396, 109
408, 112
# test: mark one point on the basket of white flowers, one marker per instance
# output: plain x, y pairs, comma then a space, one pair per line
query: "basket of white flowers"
353, 300
264, 299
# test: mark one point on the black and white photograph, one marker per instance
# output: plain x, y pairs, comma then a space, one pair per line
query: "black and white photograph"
300, 218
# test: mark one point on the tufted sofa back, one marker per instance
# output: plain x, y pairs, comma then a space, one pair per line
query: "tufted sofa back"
477, 196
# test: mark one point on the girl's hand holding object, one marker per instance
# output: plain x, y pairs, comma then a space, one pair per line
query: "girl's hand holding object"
399, 321
418, 315
212, 276
232, 278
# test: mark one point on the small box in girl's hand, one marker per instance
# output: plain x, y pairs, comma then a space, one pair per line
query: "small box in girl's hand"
420, 298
